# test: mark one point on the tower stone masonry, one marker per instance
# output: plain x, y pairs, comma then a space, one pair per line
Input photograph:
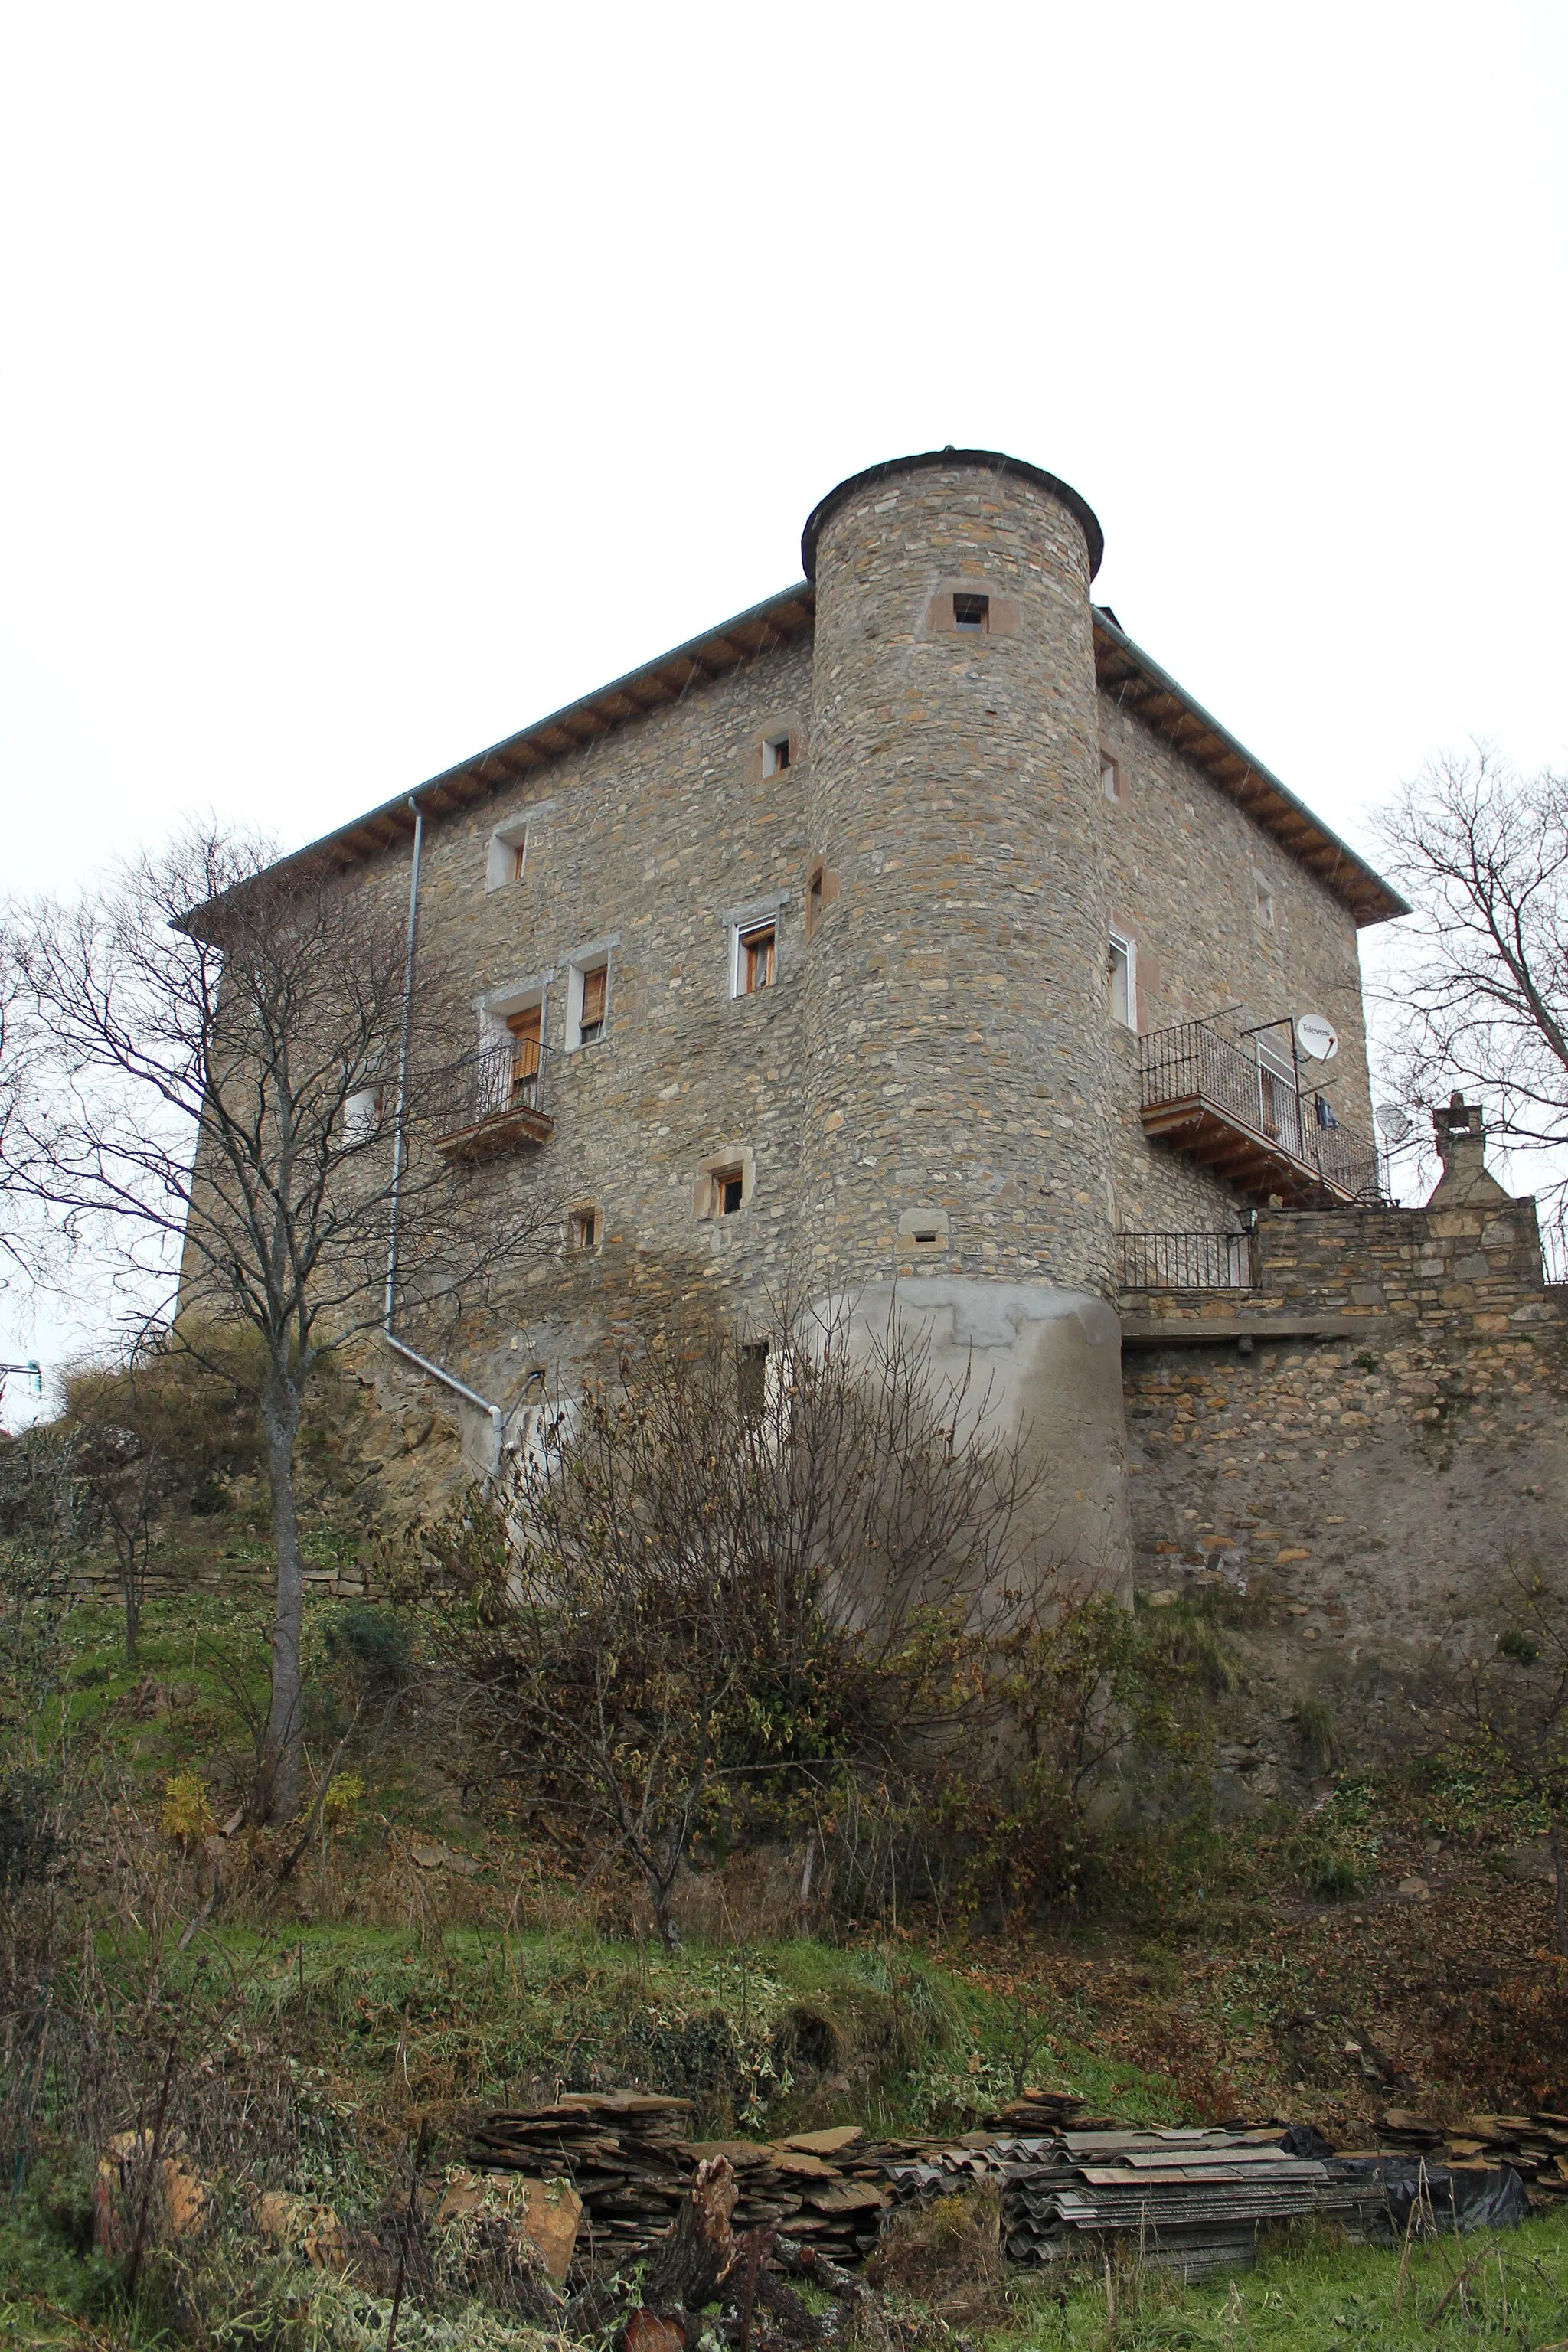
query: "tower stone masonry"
959, 1068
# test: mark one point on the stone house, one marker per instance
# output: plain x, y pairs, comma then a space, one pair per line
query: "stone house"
912, 928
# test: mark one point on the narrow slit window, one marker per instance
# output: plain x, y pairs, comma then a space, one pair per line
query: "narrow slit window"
775, 754
1121, 982
814, 898
972, 613
520, 858
591, 1020
1264, 899
759, 949
1110, 777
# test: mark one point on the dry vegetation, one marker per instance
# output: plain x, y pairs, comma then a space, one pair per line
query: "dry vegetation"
270, 2034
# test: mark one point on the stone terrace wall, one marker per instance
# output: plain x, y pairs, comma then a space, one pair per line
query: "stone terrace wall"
1370, 1442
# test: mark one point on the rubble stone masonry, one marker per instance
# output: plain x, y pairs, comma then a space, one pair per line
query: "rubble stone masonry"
1359, 1456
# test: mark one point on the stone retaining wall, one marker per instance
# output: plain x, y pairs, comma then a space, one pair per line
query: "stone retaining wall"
1368, 1447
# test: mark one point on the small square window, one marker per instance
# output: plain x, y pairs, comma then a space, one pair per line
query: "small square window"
1110, 777
724, 1185
758, 966
972, 613
775, 754
582, 1228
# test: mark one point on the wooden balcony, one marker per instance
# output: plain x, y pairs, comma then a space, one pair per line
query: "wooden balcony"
490, 1103
1216, 1104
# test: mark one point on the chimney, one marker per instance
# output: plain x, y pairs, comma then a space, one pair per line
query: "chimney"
1462, 1145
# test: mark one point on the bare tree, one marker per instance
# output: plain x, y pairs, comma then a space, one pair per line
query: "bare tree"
221, 1038
739, 1569
1481, 999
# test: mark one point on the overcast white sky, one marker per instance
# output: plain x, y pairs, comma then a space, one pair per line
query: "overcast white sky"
375, 379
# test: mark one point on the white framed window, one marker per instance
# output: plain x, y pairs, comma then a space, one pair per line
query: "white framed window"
775, 753
1121, 980
756, 957
587, 1000
507, 861
362, 1115
1110, 777
753, 942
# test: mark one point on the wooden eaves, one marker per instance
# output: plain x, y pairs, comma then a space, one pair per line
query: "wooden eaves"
1137, 684
667, 678
1125, 673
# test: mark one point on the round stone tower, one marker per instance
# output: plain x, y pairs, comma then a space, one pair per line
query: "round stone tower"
956, 1150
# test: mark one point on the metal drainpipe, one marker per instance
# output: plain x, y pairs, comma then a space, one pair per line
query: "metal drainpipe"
410, 1355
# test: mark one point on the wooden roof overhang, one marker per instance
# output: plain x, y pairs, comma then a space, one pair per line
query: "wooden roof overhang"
1139, 685
669, 678
1125, 672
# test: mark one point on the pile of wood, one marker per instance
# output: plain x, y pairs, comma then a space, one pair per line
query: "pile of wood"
1536, 2145
631, 2160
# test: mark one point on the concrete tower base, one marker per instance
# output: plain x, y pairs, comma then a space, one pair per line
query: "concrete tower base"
1037, 1361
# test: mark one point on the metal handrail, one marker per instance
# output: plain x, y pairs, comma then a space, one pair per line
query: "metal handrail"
505, 1077
1202, 1261
1191, 1059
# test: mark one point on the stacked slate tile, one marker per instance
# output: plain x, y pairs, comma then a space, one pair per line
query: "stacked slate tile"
629, 2156
1193, 2199
1535, 2145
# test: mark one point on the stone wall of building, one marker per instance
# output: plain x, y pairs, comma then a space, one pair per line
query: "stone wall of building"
1358, 1458
1227, 928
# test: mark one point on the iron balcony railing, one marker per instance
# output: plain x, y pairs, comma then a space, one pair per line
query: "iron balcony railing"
1193, 1060
507, 1077
1186, 1261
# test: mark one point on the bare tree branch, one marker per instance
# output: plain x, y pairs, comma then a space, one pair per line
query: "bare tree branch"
1482, 998
218, 1038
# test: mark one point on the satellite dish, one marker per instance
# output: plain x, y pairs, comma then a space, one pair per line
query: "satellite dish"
1318, 1038
1393, 1120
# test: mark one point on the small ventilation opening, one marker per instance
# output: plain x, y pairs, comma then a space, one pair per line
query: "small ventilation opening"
972, 613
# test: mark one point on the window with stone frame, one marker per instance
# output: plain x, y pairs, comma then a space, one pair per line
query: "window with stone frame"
587, 1002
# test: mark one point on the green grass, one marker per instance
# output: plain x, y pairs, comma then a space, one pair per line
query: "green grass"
1315, 2294
748, 2032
